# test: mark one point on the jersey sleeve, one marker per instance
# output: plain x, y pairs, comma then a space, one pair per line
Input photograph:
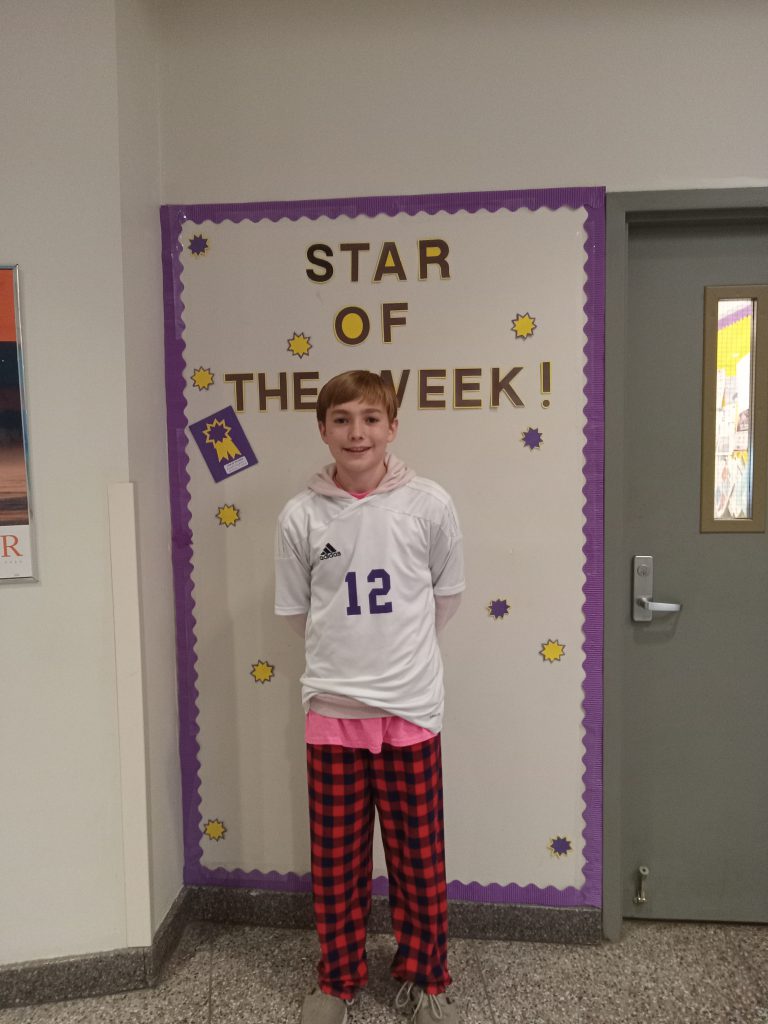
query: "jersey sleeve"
292, 569
446, 554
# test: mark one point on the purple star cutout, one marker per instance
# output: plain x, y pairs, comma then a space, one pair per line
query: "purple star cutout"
532, 438
198, 245
498, 609
561, 846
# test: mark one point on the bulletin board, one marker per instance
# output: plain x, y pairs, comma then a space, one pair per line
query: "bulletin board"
485, 309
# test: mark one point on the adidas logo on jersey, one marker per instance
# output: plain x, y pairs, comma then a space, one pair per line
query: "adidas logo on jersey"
329, 551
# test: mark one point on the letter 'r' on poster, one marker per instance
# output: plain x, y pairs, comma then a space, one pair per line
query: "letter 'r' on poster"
16, 553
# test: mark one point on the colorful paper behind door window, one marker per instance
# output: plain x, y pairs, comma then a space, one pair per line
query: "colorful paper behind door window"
733, 424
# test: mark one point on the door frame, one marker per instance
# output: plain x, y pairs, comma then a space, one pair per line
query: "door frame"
623, 209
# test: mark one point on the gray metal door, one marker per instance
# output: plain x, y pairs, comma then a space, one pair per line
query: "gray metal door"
694, 791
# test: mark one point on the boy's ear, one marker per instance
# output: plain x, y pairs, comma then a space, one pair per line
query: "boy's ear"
393, 430
321, 428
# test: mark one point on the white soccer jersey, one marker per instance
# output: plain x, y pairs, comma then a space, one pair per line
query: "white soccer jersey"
365, 571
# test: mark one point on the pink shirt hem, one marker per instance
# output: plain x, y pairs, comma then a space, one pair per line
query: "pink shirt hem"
364, 733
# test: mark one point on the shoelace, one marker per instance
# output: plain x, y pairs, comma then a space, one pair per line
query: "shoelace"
405, 996
347, 1002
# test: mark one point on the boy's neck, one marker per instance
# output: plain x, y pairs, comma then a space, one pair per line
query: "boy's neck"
361, 483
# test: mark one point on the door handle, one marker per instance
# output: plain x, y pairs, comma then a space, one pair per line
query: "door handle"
643, 605
658, 606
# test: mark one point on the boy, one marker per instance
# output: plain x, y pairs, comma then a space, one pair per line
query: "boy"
369, 566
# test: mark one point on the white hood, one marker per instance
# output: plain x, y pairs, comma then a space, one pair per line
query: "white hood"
396, 475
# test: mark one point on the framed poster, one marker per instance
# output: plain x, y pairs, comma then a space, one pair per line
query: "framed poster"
16, 552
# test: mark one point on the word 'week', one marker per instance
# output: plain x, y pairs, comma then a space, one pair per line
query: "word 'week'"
434, 389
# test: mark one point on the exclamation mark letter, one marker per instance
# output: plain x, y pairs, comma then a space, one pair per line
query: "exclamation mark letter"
545, 372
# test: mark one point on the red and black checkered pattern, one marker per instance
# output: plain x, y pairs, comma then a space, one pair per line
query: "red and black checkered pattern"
405, 785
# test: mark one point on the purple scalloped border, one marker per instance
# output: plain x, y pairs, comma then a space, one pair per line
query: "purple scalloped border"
172, 220
181, 539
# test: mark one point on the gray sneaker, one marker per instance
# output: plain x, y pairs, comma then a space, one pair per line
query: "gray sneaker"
320, 1008
426, 1008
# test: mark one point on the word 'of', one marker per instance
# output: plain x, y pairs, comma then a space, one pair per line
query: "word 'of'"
431, 388
352, 324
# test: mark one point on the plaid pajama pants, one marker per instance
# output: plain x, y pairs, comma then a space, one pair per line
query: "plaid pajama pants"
405, 785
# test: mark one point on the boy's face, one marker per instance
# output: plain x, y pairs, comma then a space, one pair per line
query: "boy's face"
357, 434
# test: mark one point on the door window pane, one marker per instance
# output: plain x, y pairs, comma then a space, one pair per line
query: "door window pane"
733, 402
734, 409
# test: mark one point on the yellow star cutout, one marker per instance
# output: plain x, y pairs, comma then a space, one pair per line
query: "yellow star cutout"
202, 378
262, 671
299, 345
215, 829
524, 325
228, 515
552, 650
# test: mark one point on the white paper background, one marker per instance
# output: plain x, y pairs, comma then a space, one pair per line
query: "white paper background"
513, 740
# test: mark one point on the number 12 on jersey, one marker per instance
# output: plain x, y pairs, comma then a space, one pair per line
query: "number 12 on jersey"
380, 576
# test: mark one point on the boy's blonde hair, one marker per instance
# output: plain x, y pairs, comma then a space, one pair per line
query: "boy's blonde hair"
357, 386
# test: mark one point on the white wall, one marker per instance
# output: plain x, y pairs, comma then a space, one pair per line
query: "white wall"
79, 212
138, 92
293, 99
61, 868
277, 99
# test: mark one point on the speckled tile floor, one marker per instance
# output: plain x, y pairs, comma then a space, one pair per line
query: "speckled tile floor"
658, 974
